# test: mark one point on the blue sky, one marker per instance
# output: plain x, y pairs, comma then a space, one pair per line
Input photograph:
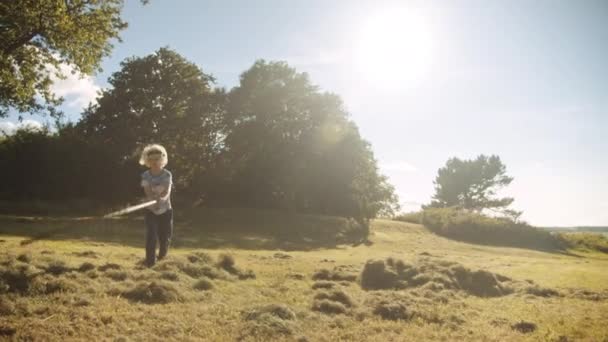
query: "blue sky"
522, 79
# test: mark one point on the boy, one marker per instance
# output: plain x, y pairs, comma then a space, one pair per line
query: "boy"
157, 183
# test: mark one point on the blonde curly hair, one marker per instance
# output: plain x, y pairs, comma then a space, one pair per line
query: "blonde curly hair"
151, 150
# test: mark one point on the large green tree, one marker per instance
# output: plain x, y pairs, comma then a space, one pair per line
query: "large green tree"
37, 36
473, 185
291, 146
159, 98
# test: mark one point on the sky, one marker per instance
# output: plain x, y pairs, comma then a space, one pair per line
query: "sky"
424, 81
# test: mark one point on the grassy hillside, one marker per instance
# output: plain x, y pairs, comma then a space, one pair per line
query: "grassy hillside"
66, 279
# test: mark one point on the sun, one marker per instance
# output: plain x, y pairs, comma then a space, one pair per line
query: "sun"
393, 49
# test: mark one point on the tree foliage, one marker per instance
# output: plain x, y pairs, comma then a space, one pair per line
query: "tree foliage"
38, 36
274, 141
473, 185
40, 165
292, 146
163, 98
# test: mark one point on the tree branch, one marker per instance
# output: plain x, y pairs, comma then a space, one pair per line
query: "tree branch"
9, 49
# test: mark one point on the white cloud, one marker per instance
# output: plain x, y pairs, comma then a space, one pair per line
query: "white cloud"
77, 89
9, 127
399, 166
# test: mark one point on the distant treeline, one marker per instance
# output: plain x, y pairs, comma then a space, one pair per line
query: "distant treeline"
592, 229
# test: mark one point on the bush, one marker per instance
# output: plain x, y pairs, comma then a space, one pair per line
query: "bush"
589, 241
477, 228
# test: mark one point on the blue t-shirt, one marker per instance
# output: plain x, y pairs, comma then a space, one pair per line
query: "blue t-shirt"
158, 184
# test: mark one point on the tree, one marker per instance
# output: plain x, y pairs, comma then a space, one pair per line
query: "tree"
159, 98
473, 185
290, 146
41, 165
38, 36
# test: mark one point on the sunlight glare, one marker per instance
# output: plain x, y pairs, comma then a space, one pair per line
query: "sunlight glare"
394, 49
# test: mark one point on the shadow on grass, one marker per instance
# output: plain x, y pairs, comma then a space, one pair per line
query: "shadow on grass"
555, 248
552, 245
187, 234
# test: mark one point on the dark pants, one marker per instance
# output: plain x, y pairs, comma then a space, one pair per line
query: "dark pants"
158, 227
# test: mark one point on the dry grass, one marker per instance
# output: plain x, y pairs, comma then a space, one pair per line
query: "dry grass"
70, 289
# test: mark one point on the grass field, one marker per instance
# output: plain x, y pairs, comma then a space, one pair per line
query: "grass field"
83, 280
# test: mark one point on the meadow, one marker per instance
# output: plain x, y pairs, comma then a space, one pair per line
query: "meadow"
84, 279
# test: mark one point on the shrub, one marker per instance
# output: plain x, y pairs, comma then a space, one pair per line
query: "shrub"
589, 241
473, 227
